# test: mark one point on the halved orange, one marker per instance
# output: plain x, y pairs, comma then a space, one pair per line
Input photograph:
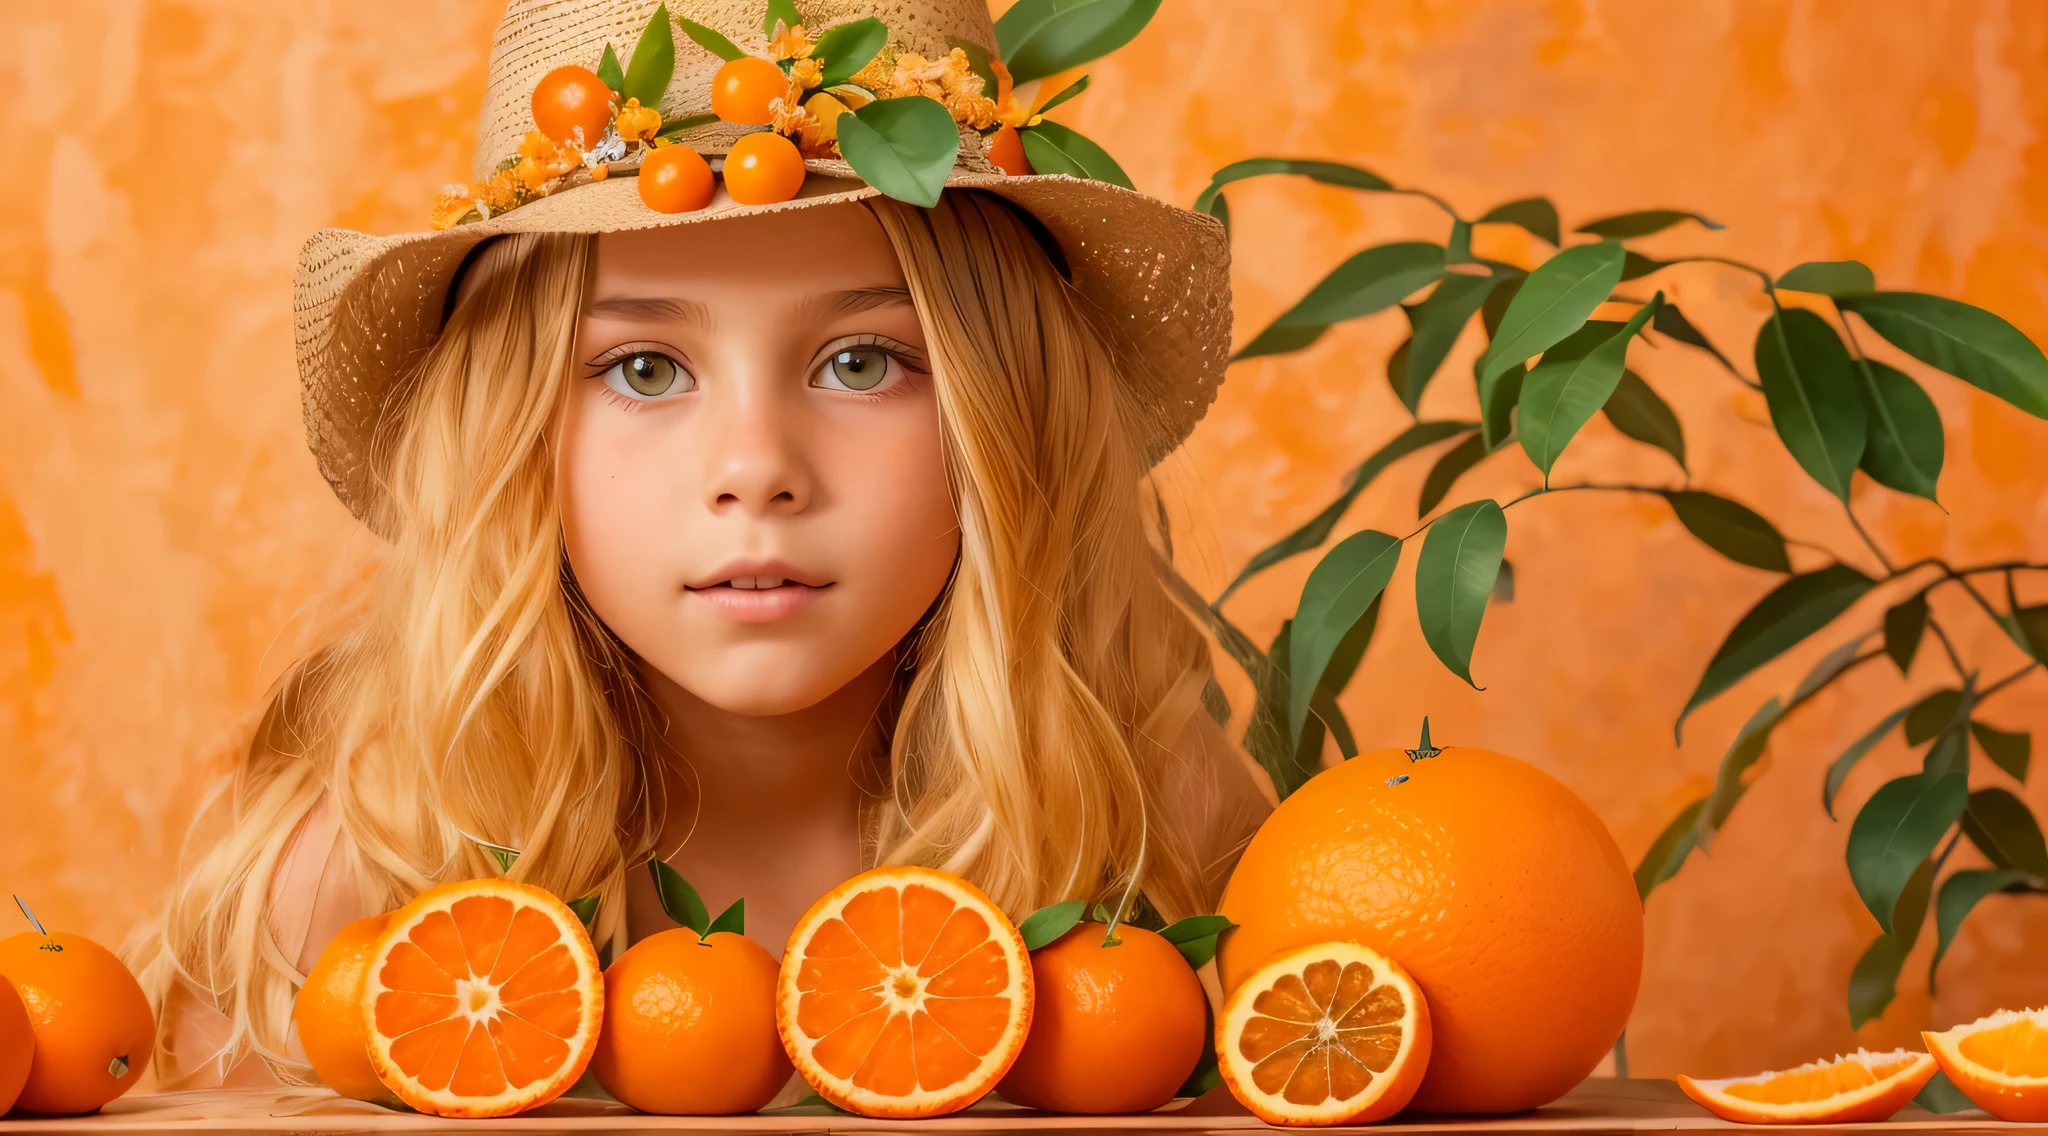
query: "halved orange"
1856, 1088
2000, 1062
1331, 1033
482, 998
904, 992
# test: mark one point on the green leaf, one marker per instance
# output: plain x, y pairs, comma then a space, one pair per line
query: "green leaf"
1904, 623
1438, 321
1635, 265
1966, 341
1447, 470
1045, 925
1960, 894
1731, 781
1534, 215
1338, 592
1931, 715
980, 60
1780, 621
1875, 980
2004, 829
679, 901
1809, 383
1731, 529
1672, 322
500, 855
674, 126
1037, 38
710, 40
1553, 302
1498, 397
1668, 852
1454, 578
1317, 530
585, 907
1368, 282
1196, 937
1066, 92
1830, 277
1279, 339
1623, 226
653, 63
1639, 414
903, 147
1495, 309
1909, 914
1329, 173
1838, 771
1903, 450
1941, 1097
2008, 751
1458, 246
1572, 383
1056, 149
2028, 629
733, 919
1288, 760
1897, 828
783, 11
846, 48
609, 72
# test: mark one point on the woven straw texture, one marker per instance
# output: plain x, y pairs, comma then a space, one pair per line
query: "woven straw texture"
366, 308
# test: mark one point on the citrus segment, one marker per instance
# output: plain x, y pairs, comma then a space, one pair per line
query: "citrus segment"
1332, 1033
2000, 1062
481, 998
904, 992
1856, 1088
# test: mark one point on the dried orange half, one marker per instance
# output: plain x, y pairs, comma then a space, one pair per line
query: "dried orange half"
1999, 1062
1331, 1033
1856, 1088
904, 992
482, 998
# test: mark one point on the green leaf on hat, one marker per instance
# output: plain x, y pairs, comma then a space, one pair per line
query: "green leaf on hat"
1196, 937
608, 70
1329, 173
1047, 924
980, 61
1044, 37
653, 63
1066, 92
781, 10
903, 147
673, 126
710, 40
1622, 226
846, 48
1056, 149
679, 901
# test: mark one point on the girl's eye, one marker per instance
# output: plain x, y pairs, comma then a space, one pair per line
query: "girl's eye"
859, 369
647, 375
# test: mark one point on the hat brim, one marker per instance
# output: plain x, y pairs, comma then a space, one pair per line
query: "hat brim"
366, 308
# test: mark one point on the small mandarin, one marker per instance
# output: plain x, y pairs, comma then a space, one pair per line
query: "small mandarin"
763, 168
93, 1026
571, 104
689, 1026
743, 88
675, 179
1006, 152
328, 1013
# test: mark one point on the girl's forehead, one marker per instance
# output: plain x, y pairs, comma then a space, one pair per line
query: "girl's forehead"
819, 249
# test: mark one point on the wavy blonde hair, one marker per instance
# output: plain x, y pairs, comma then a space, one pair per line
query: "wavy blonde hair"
476, 694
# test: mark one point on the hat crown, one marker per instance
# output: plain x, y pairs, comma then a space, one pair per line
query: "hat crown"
537, 36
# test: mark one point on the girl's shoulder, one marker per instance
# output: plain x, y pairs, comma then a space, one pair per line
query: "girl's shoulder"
314, 891
1221, 793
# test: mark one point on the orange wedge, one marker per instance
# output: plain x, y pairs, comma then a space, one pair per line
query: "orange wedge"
482, 998
905, 992
1332, 1033
1861, 1087
1999, 1062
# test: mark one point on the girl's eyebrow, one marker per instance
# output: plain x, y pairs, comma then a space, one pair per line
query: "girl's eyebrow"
853, 300
653, 309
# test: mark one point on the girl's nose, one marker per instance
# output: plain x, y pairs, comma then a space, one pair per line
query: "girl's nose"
757, 462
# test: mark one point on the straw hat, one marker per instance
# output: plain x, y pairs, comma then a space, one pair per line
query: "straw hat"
366, 308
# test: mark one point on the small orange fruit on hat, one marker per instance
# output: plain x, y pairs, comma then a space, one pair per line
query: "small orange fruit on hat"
571, 104
1856, 1088
763, 168
328, 1013
1330, 1033
675, 179
17, 1044
482, 998
1118, 1016
689, 1018
2000, 1062
743, 88
1006, 152
904, 992
93, 1027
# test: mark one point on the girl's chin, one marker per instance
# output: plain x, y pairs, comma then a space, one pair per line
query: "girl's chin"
756, 605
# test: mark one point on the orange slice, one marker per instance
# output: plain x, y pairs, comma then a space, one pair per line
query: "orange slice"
905, 992
1861, 1087
1332, 1033
1999, 1062
482, 998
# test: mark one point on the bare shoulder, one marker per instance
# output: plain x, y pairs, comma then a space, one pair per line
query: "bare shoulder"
314, 892
1223, 794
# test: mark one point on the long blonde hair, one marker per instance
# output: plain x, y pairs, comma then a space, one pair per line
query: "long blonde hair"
477, 696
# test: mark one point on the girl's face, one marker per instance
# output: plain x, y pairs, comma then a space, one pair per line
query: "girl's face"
753, 487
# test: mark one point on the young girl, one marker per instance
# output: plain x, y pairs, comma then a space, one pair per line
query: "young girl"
776, 545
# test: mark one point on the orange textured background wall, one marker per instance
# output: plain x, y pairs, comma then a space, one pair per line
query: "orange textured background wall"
164, 537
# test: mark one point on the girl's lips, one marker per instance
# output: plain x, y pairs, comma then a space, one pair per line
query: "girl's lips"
758, 605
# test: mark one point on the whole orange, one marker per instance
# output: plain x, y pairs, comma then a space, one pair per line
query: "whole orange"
92, 1024
329, 1016
675, 179
569, 100
763, 168
743, 88
1006, 152
17, 1044
1114, 1028
689, 1026
1490, 882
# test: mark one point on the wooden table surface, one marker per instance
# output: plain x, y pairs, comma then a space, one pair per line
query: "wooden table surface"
1601, 1105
